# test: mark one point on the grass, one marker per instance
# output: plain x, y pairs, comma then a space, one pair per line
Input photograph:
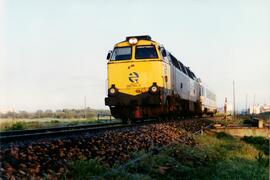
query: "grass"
85, 169
241, 119
21, 124
238, 120
217, 156
259, 143
17, 126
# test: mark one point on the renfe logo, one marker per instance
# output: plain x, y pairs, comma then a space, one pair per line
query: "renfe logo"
133, 77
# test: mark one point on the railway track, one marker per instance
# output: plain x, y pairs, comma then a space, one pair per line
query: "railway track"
18, 135
22, 135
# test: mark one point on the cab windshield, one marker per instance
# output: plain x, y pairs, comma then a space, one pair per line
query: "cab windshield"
121, 53
146, 52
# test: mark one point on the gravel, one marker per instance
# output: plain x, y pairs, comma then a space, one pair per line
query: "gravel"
50, 158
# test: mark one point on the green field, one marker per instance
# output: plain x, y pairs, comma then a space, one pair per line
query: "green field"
21, 124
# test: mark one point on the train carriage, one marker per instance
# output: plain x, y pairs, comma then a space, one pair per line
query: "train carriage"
207, 101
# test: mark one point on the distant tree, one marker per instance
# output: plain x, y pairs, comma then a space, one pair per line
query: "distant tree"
23, 114
90, 113
31, 115
48, 113
39, 114
11, 114
60, 114
72, 113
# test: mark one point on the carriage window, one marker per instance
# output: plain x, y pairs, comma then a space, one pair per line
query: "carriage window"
189, 73
174, 61
121, 53
202, 93
183, 68
194, 77
146, 52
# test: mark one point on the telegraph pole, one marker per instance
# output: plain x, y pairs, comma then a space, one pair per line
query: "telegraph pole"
225, 109
13, 115
233, 99
253, 109
85, 107
246, 104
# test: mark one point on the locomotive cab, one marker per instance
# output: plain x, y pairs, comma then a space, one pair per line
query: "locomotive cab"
136, 77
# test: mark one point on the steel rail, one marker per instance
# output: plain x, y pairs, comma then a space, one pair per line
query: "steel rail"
60, 128
15, 136
8, 137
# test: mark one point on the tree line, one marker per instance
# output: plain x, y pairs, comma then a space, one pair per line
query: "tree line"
58, 114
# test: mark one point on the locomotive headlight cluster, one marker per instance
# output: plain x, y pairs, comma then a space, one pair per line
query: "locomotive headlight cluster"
154, 88
133, 41
112, 91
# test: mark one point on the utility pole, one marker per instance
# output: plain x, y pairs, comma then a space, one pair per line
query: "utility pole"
85, 107
13, 115
253, 109
233, 99
225, 109
246, 104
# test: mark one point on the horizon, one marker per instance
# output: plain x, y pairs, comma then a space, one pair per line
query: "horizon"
229, 106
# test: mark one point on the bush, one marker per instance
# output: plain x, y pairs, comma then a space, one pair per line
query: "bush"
224, 136
17, 126
260, 143
54, 121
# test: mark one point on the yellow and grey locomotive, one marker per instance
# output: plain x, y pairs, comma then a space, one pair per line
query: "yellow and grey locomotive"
147, 81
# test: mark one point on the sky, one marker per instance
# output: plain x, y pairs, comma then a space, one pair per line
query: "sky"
53, 53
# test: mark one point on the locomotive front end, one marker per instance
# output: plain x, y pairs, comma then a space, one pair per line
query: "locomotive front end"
135, 78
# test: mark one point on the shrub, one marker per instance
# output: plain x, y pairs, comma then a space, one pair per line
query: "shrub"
54, 121
224, 136
260, 143
17, 126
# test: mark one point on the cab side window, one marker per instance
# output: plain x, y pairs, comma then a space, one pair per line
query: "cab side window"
174, 61
162, 52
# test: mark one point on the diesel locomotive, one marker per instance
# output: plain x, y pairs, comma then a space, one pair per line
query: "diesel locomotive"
147, 81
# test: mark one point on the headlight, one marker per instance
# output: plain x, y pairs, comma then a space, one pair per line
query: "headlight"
154, 88
133, 41
112, 91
